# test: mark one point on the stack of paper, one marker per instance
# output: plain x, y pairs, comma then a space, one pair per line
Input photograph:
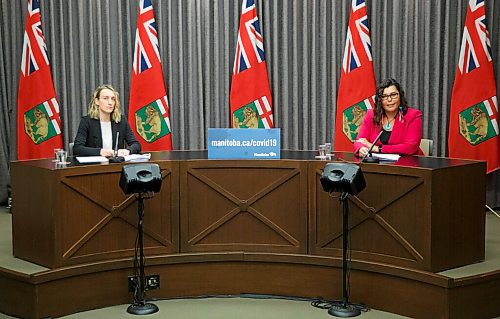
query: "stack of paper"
91, 159
137, 157
386, 157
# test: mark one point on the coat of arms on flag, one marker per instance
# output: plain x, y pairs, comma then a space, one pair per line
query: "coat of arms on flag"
149, 115
474, 132
42, 122
38, 118
357, 80
152, 120
257, 114
352, 118
250, 97
479, 123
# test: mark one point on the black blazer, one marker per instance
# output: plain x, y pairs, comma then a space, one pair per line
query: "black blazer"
88, 140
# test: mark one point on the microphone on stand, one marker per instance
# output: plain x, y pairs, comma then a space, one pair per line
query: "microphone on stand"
116, 158
116, 144
368, 158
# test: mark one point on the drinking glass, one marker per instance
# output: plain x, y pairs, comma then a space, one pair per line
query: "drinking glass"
322, 151
56, 158
62, 156
328, 150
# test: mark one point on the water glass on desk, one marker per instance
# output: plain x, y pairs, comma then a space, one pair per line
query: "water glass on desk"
322, 151
328, 150
62, 157
56, 158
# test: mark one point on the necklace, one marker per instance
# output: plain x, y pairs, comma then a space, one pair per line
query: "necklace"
387, 126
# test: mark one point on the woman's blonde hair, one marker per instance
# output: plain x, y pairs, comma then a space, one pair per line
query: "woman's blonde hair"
94, 108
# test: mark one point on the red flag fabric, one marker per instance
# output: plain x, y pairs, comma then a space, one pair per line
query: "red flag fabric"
250, 97
357, 80
38, 119
473, 130
149, 114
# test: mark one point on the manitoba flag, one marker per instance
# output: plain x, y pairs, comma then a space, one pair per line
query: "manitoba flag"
357, 80
250, 97
474, 107
38, 119
149, 114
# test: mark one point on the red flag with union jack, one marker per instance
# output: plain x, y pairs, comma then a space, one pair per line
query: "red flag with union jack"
250, 97
38, 119
357, 80
149, 114
474, 108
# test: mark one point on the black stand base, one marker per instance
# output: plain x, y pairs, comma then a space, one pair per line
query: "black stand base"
140, 308
371, 159
343, 310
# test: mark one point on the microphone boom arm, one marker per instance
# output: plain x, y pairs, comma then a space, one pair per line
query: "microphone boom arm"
368, 156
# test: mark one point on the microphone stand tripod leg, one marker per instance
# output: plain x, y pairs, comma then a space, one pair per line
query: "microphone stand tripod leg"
140, 306
343, 308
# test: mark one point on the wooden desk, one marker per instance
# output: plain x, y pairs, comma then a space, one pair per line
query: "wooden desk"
422, 213
79, 214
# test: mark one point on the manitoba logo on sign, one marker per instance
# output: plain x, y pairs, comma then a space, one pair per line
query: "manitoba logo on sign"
479, 122
352, 118
40, 122
152, 121
256, 114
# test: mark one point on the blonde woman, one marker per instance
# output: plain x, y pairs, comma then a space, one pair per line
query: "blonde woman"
99, 130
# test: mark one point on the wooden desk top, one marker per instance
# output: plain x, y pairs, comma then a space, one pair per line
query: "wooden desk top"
179, 155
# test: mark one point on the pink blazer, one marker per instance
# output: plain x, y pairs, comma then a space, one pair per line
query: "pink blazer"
405, 137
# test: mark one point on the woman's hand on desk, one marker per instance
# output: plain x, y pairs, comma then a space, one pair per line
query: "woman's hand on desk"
123, 152
363, 150
111, 153
107, 152
368, 144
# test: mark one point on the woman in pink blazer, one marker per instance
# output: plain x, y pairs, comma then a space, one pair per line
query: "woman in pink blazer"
401, 125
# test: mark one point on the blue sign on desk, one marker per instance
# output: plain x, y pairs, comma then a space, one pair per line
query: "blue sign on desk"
229, 143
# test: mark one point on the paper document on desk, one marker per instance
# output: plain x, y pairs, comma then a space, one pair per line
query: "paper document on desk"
386, 157
138, 157
91, 159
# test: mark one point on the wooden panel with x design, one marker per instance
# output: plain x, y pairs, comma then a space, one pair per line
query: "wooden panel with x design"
386, 219
109, 226
244, 206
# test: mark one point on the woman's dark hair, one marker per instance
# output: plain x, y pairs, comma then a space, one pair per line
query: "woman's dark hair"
379, 111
